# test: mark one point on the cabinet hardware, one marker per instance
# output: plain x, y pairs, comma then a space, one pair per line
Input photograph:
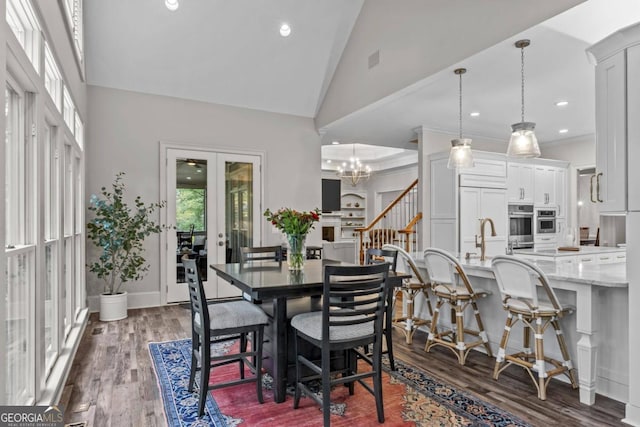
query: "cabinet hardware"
585, 259
604, 258
591, 189
621, 256
598, 186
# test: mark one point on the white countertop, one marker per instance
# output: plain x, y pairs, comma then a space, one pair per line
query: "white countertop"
606, 275
589, 250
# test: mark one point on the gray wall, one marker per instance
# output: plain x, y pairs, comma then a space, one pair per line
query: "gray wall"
124, 135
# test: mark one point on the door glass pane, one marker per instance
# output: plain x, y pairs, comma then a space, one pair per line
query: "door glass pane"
191, 214
238, 208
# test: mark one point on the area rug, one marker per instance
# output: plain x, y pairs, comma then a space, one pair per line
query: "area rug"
411, 398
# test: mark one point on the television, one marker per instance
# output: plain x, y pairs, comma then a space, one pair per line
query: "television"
330, 195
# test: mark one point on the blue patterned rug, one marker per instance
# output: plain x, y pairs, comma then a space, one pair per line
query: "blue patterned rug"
425, 401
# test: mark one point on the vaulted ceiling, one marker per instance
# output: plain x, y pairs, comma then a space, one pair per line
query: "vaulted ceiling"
231, 52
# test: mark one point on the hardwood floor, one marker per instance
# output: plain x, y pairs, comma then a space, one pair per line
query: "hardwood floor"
112, 382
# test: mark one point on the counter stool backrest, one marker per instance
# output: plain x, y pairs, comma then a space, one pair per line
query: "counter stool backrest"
405, 262
444, 269
518, 278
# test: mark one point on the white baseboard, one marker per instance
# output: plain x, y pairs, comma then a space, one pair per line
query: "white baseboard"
632, 415
134, 300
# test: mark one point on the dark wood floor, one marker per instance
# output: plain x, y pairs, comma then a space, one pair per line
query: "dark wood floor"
112, 383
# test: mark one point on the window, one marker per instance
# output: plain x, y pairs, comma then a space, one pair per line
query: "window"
73, 15
24, 24
52, 77
68, 109
79, 130
20, 251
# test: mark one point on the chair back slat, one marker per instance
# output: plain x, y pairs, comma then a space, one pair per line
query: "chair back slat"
518, 278
354, 295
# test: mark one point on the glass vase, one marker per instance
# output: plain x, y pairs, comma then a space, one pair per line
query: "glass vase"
296, 253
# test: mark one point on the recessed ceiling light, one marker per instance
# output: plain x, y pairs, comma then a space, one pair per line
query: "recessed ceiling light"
335, 143
474, 114
328, 161
563, 131
172, 5
189, 178
562, 103
285, 30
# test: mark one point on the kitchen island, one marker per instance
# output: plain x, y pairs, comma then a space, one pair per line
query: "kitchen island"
596, 334
584, 254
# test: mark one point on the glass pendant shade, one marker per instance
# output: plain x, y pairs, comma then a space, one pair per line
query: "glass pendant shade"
460, 155
523, 142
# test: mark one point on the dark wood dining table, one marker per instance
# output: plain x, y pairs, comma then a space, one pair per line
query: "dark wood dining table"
265, 281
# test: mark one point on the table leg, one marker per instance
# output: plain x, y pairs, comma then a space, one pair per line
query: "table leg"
280, 346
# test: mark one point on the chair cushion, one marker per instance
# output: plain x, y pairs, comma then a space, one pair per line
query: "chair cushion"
545, 309
461, 291
233, 314
311, 324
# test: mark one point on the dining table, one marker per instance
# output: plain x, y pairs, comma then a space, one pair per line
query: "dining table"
272, 285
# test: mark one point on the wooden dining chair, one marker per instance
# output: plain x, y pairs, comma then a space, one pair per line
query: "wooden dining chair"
352, 315
261, 253
217, 323
378, 256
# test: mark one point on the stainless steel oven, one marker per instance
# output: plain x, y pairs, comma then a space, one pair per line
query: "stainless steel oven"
521, 226
546, 221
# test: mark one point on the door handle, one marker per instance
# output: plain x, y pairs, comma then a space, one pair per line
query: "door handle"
598, 186
591, 189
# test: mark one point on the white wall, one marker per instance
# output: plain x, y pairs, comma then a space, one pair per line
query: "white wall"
124, 135
416, 39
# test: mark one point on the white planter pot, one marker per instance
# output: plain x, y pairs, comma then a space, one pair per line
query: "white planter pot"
113, 307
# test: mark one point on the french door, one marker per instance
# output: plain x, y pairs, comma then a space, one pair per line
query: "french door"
213, 201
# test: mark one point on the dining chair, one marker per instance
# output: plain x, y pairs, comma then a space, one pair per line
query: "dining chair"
352, 315
261, 253
451, 286
378, 256
411, 318
519, 281
218, 323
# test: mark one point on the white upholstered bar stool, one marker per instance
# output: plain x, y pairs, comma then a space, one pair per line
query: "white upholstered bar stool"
451, 286
518, 281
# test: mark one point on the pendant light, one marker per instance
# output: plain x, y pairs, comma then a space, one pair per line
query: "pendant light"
460, 155
523, 142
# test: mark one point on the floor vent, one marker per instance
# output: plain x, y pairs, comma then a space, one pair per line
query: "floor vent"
97, 331
77, 424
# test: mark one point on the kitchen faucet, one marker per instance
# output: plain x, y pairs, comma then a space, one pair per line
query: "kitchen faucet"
482, 244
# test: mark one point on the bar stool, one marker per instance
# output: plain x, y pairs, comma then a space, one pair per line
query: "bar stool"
445, 274
518, 280
409, 322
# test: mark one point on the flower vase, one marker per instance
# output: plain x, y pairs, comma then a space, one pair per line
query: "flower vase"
297, 253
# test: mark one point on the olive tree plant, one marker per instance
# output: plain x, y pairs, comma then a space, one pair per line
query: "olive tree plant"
119, 231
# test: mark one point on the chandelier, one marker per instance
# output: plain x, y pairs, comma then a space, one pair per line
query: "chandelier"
356, 172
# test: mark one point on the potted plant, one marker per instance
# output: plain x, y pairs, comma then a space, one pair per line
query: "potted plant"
119, 230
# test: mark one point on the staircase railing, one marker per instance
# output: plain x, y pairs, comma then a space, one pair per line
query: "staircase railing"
395, 224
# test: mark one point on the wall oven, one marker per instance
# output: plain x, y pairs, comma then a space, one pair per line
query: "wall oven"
521, 226
546, 221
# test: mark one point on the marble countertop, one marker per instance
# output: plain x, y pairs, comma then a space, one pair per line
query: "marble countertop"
584, 250
606, 275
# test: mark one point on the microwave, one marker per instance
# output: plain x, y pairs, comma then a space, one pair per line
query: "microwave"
546, 221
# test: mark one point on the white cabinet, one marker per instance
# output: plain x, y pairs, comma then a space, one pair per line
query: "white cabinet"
611, 121
545, 192
633, 126
520, 182
353, 209
560, 183
479, 203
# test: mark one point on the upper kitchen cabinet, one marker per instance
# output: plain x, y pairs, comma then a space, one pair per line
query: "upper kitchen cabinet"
545, 190
520, 182
617, 113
